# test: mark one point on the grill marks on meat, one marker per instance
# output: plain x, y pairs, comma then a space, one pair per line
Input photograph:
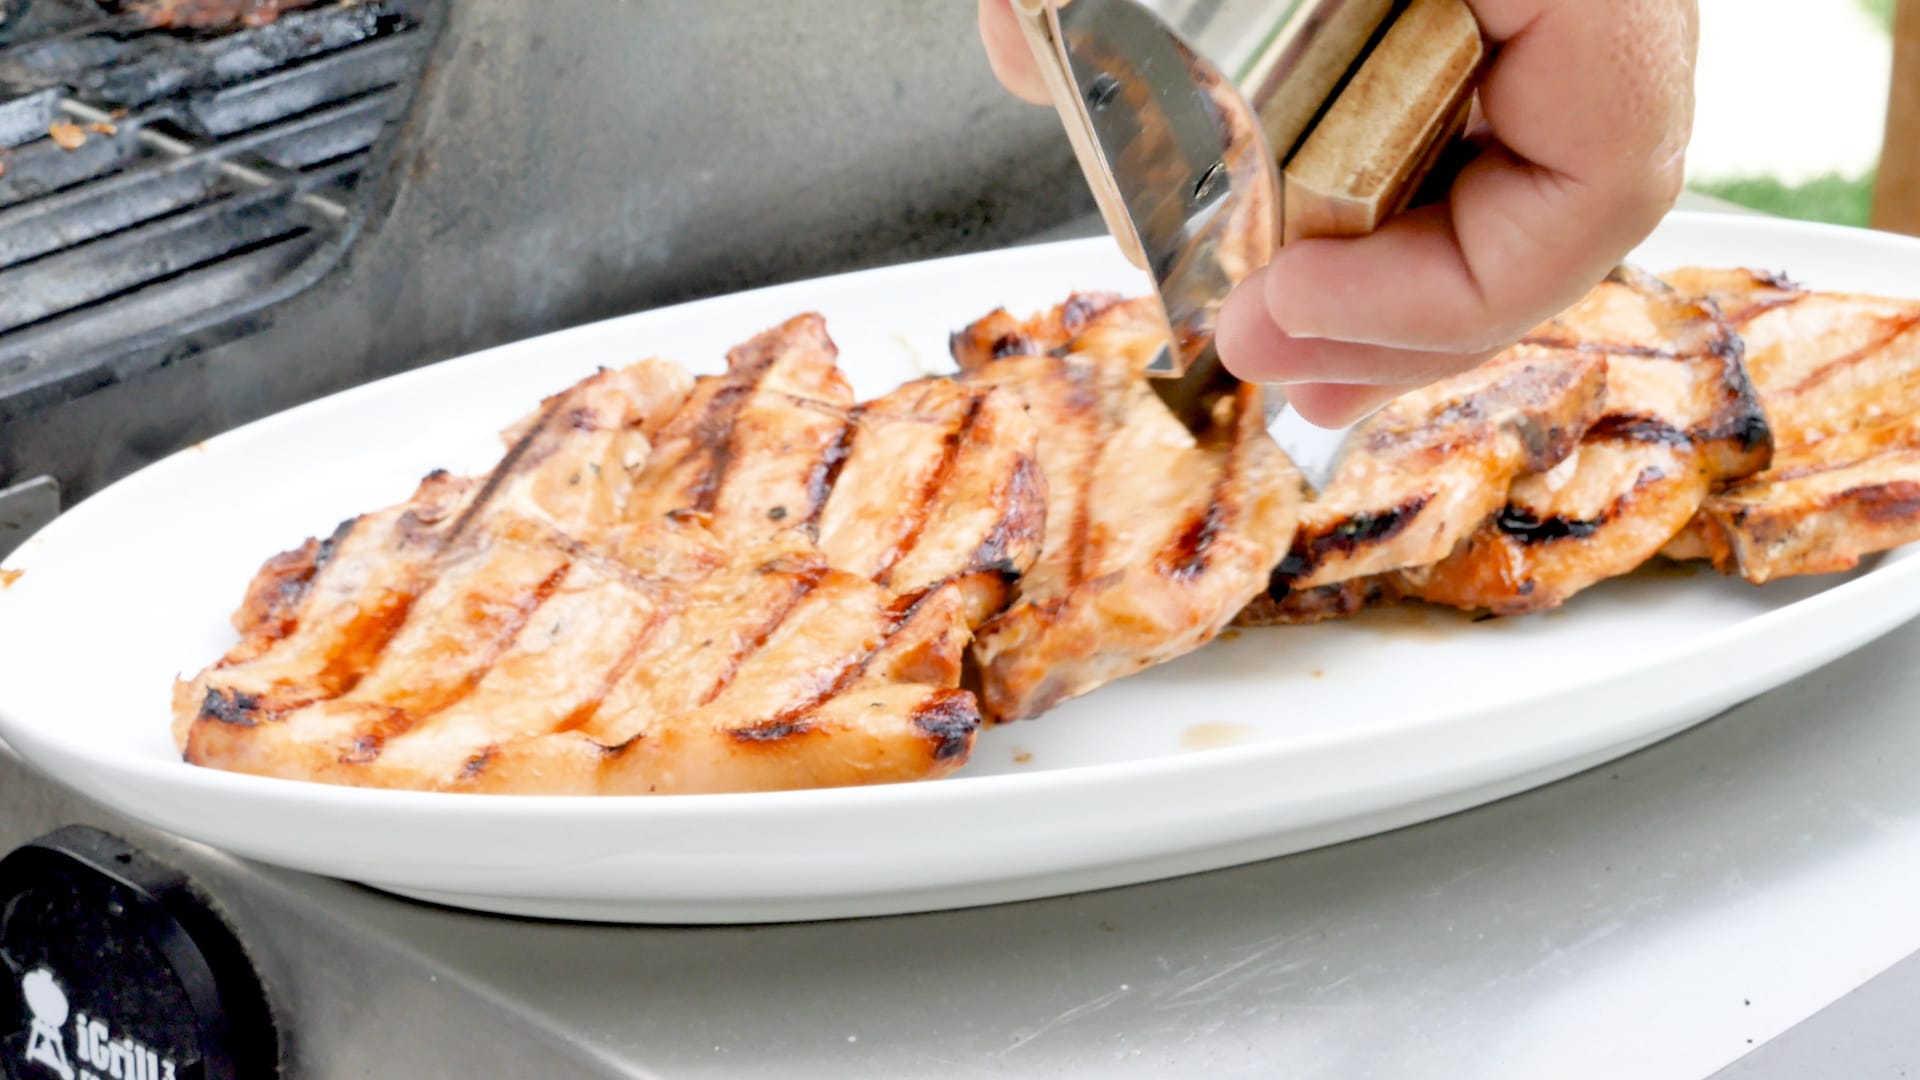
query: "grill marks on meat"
1681, 416
938, 481
1569, 459
744, 450
1420, 476
1153, 540
1839, 377
668, 585
1434, 464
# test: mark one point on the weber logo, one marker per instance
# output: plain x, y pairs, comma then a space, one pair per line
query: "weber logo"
110, 969
98, 1053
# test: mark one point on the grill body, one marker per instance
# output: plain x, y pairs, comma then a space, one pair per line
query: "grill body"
278, 212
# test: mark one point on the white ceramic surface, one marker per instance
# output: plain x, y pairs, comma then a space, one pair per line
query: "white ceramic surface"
1267, 743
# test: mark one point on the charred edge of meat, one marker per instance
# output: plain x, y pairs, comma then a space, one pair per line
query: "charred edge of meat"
1027, 525
293, 588
272, 603
971, 346
772, 731
1639, 429
237, 708
1350, 533
1749, 428
825, 473
1748, 421
332, 543
950, 718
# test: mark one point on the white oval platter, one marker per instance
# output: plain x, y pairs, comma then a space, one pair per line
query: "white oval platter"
1262, 744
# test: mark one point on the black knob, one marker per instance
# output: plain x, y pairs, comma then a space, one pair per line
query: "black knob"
113, 965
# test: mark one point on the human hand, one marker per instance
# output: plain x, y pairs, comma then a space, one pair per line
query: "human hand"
1582, 123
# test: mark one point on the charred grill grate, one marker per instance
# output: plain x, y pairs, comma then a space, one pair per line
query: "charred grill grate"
159, 185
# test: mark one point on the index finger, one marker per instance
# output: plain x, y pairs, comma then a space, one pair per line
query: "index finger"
1007, 51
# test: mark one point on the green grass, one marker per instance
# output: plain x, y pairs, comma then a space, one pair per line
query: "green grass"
1832, 198
1835, 199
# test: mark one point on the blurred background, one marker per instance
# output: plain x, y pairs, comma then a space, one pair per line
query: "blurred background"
1792, 105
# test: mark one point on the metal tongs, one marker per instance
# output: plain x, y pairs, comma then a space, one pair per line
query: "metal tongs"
1214, 134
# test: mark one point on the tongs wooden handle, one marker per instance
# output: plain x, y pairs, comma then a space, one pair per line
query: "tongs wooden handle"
1379, 140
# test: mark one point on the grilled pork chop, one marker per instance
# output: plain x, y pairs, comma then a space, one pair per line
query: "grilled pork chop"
1839, 377
209, 14
1153, 540
667, 585
1420, 475
1681, 417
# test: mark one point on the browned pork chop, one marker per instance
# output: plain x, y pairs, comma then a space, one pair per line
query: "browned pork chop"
1424, 472
668, 585
209, 14
1153, 540
1681, 416
1839, 377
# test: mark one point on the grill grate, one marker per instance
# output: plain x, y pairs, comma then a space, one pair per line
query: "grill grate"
161, 184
